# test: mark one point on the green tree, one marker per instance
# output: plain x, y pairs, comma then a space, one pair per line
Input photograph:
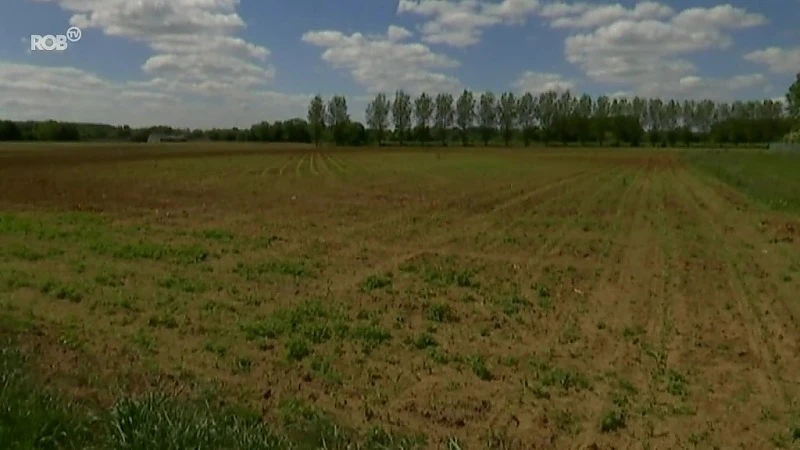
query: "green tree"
444, 116
423, 111
316, 118
507, 112
793, 100
602, 111
465, 115
338, 119
401, 115
546, 113
487, 115
378, 116
9, 131
526, 112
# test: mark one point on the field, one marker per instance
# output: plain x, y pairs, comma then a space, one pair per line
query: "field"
462, 298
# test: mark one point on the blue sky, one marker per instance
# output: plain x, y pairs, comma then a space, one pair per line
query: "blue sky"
202, 63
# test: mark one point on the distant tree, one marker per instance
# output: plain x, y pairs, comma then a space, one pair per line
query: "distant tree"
338, 119
277, 132
444, 116
378, 116
793, 100
316, 118
655, 120
465, 115
297, 130
526, 113
56, 131
261, 132
546, 113
487, 116
9, 131
423, 111
581, 118
507, 114
356, 134
602, 111
401, 115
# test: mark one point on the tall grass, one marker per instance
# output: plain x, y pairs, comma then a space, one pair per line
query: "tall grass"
34, 417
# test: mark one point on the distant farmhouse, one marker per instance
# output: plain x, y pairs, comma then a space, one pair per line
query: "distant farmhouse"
157, 138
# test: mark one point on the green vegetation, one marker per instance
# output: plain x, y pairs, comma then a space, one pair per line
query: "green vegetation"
375, 282
769, 178
274, 267
36, 417
441, 312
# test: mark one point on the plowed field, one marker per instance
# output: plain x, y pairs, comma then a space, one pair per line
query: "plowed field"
508, 298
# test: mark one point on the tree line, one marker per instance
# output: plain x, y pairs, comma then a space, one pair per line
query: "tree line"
547, 118
553, 117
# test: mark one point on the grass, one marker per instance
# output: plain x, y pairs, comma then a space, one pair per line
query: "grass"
256, 271
62, 291
613, 420
478, 366
375, 282
37, 417
768, 177
441, 313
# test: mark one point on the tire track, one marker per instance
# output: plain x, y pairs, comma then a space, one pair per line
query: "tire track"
698, 329
482, 204
757, 330
471, 225
298, 168
287, 164
622, 297
324, 166
338, 167
312, 168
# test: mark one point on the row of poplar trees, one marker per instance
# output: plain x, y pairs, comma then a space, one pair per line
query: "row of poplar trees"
554, 117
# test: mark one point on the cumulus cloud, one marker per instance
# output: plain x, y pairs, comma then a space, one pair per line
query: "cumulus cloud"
195, 35
538, 82
647, 45
32, 92
695, 87
460, 23
200, 73
779, 60
588, 16
383, 64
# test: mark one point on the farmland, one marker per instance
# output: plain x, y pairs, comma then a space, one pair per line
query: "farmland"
565, 298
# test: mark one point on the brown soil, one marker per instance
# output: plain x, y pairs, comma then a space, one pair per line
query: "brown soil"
612, 288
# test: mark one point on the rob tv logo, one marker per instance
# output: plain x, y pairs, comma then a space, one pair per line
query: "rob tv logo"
57, 43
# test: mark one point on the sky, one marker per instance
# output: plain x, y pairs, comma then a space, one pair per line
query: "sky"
223, 63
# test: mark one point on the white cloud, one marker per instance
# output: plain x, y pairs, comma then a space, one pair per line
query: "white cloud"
200, 72
721, 16
779, 60
397, 34
196, 49
538, 82
597, 15
32, 92
381, 64
460, 23
698, 87
560, 9
646, 46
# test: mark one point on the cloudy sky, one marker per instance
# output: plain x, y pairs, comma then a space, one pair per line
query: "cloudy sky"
203, 63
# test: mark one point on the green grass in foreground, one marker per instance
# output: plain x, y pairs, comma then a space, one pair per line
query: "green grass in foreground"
32, 417
768, 177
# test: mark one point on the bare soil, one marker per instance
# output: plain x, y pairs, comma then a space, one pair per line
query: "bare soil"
591, 299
